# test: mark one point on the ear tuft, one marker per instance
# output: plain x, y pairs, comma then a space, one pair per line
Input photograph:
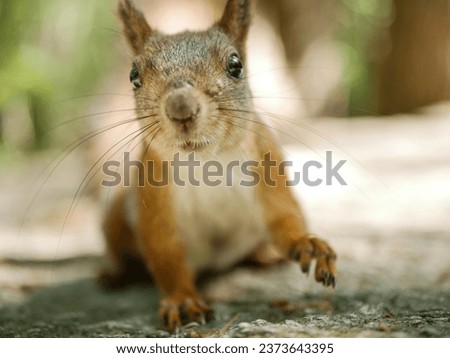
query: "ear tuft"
135, 26
235, 22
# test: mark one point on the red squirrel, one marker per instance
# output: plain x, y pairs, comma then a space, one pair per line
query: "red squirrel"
192, 97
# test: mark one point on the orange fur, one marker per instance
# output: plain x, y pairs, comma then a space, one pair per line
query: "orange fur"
286, 221
162, 248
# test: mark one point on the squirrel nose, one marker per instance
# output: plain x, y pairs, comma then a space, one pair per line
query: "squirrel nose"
182, 105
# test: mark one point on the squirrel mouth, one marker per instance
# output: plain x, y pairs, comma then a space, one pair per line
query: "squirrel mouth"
189, 145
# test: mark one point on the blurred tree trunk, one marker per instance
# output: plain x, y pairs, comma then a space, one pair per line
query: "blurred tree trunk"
299, 23
416, 71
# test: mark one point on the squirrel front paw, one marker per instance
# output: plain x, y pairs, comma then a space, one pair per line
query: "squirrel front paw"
176, 310
309, 248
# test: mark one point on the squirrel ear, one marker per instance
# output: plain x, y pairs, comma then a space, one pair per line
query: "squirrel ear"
236, 21
136, 28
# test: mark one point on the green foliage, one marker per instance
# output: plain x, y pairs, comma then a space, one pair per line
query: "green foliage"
53, 50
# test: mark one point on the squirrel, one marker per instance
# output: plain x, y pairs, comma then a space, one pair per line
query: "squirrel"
192, 97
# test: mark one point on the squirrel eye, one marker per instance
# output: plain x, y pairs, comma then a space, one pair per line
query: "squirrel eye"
134, 78
235, 66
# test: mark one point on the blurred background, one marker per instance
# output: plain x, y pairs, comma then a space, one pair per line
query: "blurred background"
344, 58
367, 79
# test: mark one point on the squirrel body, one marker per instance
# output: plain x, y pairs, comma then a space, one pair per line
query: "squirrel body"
192, 97
220, 225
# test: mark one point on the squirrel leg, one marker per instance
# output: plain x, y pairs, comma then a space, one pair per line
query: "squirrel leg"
286, 222
164, 255
126, 267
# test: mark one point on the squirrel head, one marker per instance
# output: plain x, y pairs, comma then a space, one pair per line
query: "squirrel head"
192, 85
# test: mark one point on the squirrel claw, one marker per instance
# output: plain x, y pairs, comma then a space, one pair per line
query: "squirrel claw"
176, 311
309, 248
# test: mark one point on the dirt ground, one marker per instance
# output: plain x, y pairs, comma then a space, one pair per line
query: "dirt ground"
389, 226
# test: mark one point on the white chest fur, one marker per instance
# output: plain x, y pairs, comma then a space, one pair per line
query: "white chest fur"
220, 225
